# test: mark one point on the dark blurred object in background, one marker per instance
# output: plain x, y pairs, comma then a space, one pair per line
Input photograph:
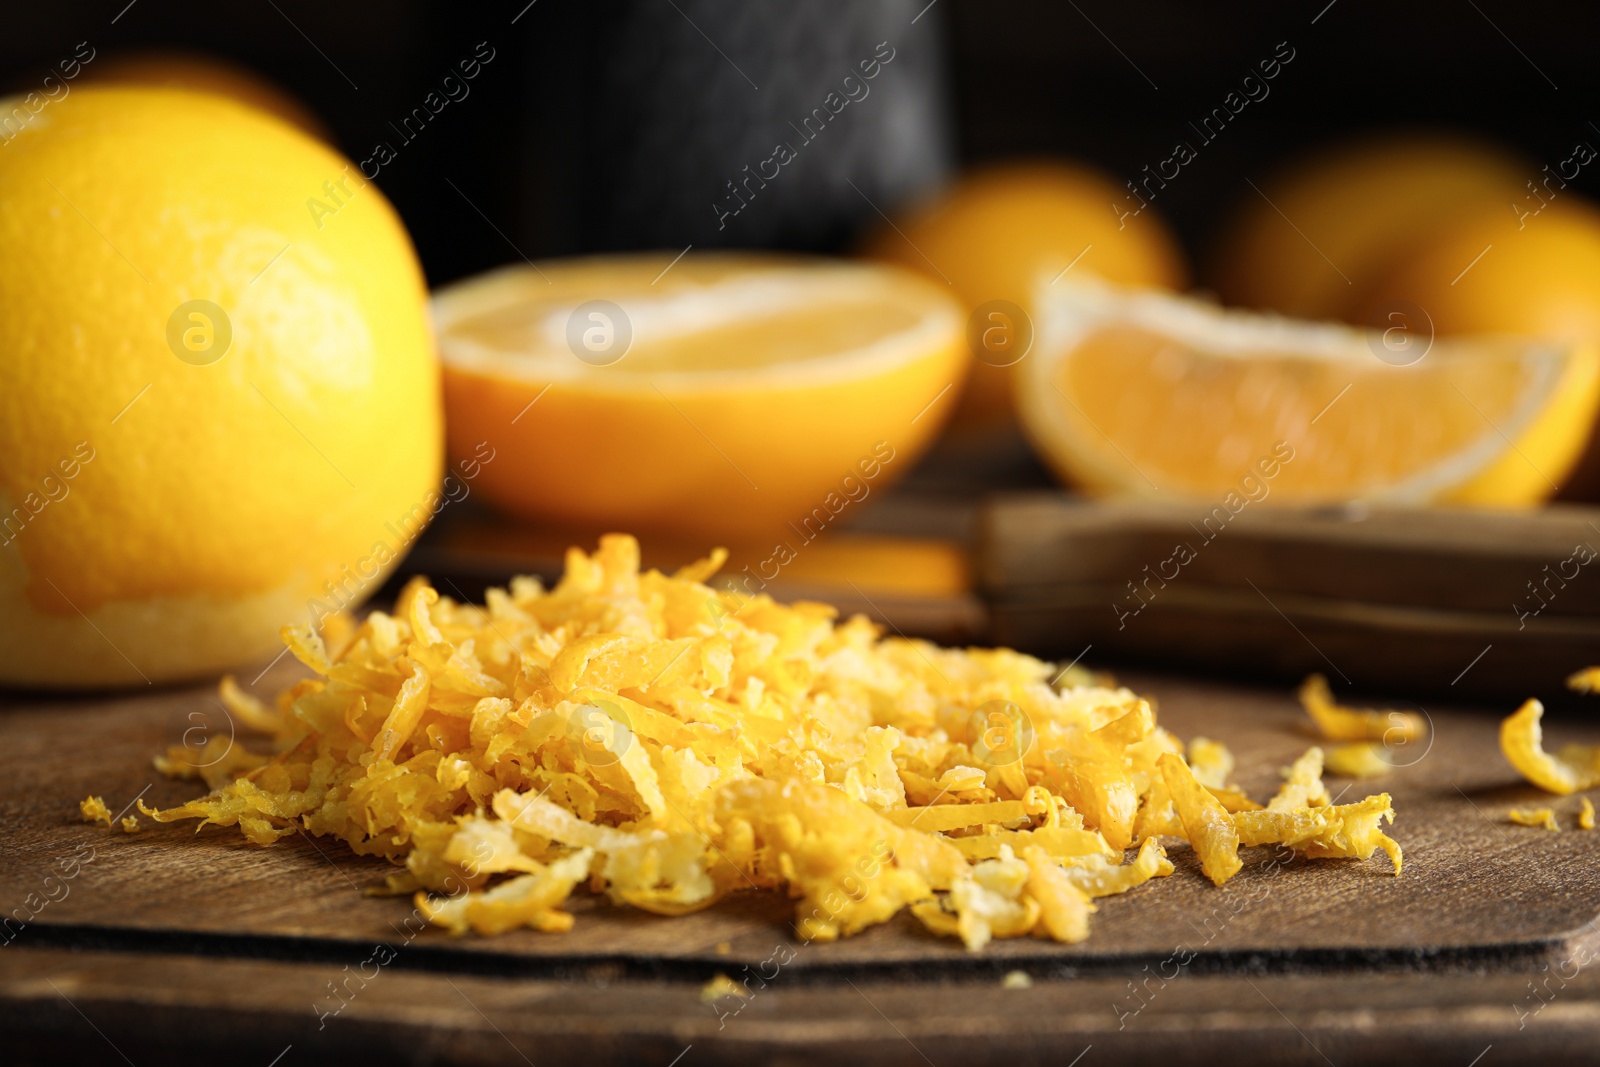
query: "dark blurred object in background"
725, 123
1113, 84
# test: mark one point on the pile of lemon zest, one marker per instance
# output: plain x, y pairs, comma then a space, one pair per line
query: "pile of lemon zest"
666, 744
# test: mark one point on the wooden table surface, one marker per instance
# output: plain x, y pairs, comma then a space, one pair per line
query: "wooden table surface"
166, 946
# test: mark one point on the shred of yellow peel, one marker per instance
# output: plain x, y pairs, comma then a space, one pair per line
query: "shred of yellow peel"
1585, 814
1232, 800
1302, 784
945, 817
1574, 768
1338, 723
988, 900
722, 986
1358, 759
1211, 762
1206, 822
1157, 815
94, 810
525, 900
667, 743
1346, 831
1097, 878
405, 713
1063, 905
1061, 843
1544, 817
1016, 980
1585, 681
243, 706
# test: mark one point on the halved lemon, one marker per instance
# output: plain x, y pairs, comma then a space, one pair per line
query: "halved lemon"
1143, 392
736, 395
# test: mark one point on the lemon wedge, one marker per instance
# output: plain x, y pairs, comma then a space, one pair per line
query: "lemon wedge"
1143, 392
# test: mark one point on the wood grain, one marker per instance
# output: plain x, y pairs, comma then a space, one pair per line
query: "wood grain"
107, 1007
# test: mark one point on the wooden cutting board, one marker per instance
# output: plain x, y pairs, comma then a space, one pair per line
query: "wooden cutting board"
168, 944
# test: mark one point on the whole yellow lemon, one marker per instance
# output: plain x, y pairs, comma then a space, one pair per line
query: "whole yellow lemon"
1309, 242
219, 397
1492, 272
1002, 229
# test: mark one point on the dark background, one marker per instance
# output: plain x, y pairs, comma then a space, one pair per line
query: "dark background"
609, 123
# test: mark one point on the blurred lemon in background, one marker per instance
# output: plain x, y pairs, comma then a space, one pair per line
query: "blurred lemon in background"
1151, 394
1002, 229
1310, 241
728, 395
1493, 272
1488, 273
219, 408
169, 69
